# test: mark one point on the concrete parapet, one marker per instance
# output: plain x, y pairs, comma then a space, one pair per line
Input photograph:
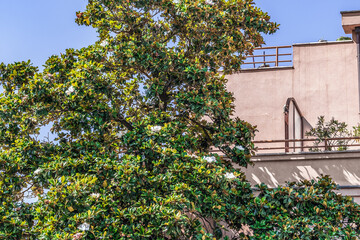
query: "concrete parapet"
277, 169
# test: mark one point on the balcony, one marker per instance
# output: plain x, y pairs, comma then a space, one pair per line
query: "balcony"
281, 161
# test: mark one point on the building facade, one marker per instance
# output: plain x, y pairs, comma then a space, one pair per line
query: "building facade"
284, 92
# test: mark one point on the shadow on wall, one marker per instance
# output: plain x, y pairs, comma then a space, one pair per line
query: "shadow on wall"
277, 169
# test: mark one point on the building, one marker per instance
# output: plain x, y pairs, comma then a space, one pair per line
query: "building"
284, 92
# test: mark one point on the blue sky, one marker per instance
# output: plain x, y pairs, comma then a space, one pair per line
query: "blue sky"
303, 21
37, 29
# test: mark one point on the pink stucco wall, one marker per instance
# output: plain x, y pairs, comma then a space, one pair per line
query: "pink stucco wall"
323, 81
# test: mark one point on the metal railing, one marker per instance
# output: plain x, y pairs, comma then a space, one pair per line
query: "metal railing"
316, 144
269, 57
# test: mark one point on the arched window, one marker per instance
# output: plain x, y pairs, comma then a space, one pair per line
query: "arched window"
295, 126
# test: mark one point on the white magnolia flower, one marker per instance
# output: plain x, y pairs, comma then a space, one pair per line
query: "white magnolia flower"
241, 148
209, 2
84, 227
120, 134
49, 76
230, 175
104, 43
193, 155
70, 90
155, 129
210, 159
95, 195
33, 120
77, 236
38, 171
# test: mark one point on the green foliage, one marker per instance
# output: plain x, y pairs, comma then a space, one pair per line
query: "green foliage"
305, 210
135, 116
342, 38
325, 130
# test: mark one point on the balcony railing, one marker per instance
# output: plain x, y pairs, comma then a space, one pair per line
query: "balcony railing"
269, 57
308, 145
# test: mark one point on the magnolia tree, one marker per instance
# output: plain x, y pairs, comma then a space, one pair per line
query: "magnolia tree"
135, 116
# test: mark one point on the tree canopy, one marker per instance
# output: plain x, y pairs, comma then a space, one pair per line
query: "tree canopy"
136, 116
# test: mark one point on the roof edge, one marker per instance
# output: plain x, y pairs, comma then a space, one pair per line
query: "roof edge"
354, 11
320, 43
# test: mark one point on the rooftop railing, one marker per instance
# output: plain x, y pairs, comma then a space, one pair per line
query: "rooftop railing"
308, 145
269, 57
